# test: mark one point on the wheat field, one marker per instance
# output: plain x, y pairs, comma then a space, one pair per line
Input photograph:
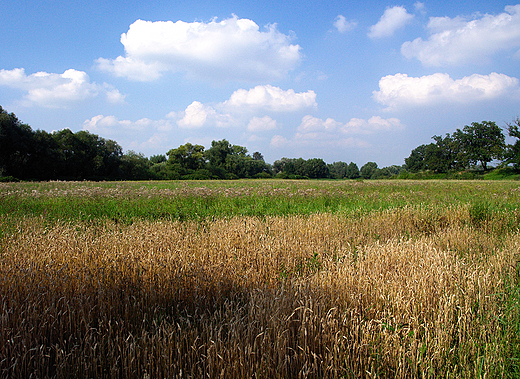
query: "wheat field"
408, 292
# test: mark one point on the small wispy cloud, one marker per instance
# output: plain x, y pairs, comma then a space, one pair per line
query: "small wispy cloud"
342, 25
52, 90
393, 19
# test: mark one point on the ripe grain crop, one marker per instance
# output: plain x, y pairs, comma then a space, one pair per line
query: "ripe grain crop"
416, 291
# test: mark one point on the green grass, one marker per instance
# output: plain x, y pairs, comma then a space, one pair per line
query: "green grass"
127, 201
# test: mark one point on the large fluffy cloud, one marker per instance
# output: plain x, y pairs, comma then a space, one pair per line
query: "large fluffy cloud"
56, 90
456, 41
232, 49
392, 20
400, 90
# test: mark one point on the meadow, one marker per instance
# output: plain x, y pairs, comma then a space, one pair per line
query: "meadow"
260, 279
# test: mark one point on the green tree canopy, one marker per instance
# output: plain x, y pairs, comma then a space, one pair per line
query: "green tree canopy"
480, 142
188, 156
16, 145
368, 170
352, 171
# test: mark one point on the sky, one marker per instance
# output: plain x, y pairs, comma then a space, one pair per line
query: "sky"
352, 81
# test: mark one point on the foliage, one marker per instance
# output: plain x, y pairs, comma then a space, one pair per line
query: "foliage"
368, 169
352, 171
314, 168
387, 172
26, 154
479, 143
513, 151
159, 158
135, 166
343, 170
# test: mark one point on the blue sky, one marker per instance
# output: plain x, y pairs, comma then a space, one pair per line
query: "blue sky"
344, 81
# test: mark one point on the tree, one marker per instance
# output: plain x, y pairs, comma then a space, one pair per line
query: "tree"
16, 145
513, 151
368, 170
315, 168
257, 156
416, 161
352, 171
188, 156
481, 142
84, 155
387, 172
45, 157
299, 168
135, 166
218, 152
338, 170
446, 154
159, 158
441, 156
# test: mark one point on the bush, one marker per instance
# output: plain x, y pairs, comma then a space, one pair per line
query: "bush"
263, 175
5, 179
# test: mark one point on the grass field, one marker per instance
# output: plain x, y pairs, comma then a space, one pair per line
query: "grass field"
260, 279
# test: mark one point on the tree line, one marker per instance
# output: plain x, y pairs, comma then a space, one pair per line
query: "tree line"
475, 146
26, 154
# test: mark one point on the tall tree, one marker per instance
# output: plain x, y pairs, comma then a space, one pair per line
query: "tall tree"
338, 170
135, 166
368, 170
417, 160
480, 142
352, 171
16, 146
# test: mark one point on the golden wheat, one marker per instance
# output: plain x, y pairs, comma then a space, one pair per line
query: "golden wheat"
413, 292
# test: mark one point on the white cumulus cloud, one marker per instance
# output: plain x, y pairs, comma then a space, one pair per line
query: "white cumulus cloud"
400, 90
456, 41
330, 133
259, 124
111, 125
313, 124
196, 115
343, 25
393, 19
232, 49
271, 98
57, 90
372, 125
